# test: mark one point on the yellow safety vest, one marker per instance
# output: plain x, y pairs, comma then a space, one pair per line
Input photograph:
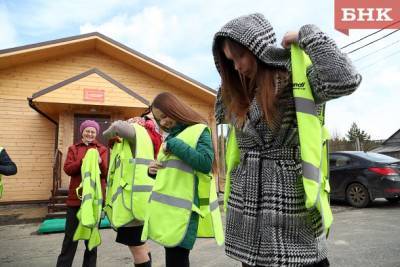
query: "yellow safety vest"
128, 184
89, 214
1, 182
171, 202
232, 159
313, 140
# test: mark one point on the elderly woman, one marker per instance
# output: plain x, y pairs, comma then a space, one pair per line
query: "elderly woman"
89, 129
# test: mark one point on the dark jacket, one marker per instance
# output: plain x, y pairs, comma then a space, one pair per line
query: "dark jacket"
200, 159
7, 166
72, 167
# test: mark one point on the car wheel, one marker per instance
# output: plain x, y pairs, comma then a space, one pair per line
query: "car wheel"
393, 199
357, 195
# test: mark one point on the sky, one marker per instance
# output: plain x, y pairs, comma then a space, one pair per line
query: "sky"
179, 34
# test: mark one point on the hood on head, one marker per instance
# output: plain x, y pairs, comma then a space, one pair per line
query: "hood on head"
256, 34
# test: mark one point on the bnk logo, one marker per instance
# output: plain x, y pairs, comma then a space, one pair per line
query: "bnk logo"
366, 14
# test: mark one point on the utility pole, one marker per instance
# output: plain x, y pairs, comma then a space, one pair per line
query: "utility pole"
357, 144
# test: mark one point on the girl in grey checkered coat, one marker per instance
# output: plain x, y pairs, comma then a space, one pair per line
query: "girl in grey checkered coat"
267, 222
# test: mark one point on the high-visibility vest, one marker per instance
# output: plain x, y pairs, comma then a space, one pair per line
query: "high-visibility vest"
232, 159
172, 198
313, 140
1, 182
128, 184
89, 214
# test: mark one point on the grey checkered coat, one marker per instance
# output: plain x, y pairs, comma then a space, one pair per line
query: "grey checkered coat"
267, 223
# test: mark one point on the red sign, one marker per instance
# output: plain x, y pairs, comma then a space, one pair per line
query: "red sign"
366, 14
94, 95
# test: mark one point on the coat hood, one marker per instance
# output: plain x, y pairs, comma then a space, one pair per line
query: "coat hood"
256, 34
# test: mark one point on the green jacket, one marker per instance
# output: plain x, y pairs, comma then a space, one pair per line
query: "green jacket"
200, 159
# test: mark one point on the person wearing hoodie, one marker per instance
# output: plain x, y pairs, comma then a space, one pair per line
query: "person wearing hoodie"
267, 221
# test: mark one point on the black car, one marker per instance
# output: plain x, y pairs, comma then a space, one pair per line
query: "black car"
360, 177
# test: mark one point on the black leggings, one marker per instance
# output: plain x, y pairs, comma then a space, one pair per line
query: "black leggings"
69, 246
177, 257
323, 263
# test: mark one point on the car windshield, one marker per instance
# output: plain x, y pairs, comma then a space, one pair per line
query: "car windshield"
377, 157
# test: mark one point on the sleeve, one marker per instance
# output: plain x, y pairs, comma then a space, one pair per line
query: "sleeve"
219, 108
7, 166
332, 74
72, 165
201, 158
121, 128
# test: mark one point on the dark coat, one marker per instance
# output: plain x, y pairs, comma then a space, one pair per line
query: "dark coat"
7, 166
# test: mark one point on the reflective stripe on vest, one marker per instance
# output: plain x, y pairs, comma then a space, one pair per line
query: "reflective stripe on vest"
171, 202
89, 214
1, 182
210, 225
142, 183
313, 139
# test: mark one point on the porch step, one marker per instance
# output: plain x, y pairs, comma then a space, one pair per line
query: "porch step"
57, 199
62, 192
59, 214
55, 207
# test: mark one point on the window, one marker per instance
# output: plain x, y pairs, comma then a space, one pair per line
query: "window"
339, 161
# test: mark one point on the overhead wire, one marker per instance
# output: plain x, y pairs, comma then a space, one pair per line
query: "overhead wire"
375, 51
352, 51
362, 38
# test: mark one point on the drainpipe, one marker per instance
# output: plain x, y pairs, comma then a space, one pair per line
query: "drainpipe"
32, 105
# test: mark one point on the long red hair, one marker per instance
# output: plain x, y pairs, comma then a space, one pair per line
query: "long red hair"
238, 90
179, 111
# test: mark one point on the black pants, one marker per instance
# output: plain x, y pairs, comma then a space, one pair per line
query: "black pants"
68, 249
323, 263
177, 257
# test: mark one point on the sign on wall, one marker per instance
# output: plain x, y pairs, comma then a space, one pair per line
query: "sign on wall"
93, 95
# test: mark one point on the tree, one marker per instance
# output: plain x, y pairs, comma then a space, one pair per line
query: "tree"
356, 132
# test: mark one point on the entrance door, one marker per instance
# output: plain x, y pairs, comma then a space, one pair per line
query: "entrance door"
102, 120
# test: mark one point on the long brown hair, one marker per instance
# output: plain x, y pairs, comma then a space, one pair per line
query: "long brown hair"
238, 91
179, 111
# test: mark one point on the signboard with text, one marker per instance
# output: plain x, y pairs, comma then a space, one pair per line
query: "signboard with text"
366, 14
93, 95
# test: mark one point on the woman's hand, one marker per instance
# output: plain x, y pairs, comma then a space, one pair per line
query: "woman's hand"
154, 166
165, 149
113, 140
289, 38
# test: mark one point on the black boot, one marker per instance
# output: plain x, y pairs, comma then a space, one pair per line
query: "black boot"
145, 264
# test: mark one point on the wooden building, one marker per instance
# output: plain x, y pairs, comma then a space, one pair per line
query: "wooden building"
47, 89
390, 146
